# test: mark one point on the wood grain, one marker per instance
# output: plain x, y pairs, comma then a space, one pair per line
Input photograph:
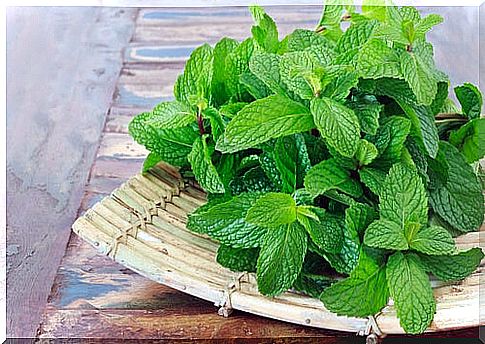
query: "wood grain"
97, 298
63, 64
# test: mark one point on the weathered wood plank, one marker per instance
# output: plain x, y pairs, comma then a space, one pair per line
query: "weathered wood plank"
158, 16
95, 297
150, 53
87, 280
146, 96
161, 74
195, 27
145, 87
116, 168
118, 124
120, 146
143, 324
63, 64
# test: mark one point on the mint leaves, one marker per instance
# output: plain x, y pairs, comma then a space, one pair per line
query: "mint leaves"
364, 293
262, 120
281, 258
330, 153
337, 124
410, 289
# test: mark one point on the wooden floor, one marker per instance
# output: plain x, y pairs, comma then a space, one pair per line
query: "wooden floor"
93, 297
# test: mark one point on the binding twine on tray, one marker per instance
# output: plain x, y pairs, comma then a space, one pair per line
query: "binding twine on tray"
132, 230
225, 303
372, 331
142, 218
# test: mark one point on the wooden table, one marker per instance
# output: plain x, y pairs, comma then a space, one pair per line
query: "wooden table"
93, 297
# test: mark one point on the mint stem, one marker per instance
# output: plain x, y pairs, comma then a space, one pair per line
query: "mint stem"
200, 122
456, 116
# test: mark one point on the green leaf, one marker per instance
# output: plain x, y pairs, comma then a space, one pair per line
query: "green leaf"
323, 52
426, 24
423, 127
151, 160
272, 210
292, 161
411, 291
298, 71
470, 99
329, 24
316, 148
264, 32
392, 28
359, 216
470, 139
390, 139
196, 78
367, 109
231, 110
453, 267
238, 259
326, 232
268, 164
374, 9
364, 293
237, 62
345, 261
377, 60
220, 92
403, 198
167, 115
420, 160
355, 38
441, 98
385, 234
344, 79
328, 175
396, 89
373, 178
263, 120
433, 240
459, 201
217, 122
302, 39
255, 180
311, 284
366, 152
193, 220
303, 197
254, 85
202, 167
337, 124
171, 145
281, 258
449, 106
420, 73
226, 222
226, 168
266, 67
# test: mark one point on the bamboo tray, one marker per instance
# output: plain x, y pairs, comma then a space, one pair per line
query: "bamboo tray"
141, 225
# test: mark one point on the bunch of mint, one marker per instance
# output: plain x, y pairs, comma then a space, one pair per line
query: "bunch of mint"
330, 154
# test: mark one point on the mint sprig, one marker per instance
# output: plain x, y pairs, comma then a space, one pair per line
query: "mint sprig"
330, 153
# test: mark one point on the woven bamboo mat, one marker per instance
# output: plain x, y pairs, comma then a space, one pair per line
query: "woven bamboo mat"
142, 226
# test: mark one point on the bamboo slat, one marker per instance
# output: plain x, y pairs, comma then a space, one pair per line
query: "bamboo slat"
142, 226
